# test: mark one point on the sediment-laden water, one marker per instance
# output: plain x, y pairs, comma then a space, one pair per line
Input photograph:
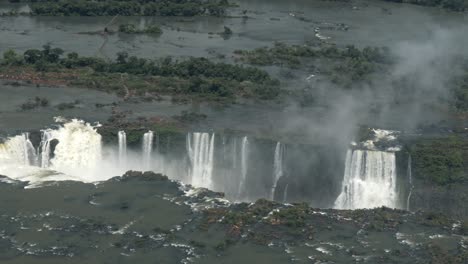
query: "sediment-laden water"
146, 218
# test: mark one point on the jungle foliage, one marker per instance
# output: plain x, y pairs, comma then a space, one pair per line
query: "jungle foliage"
452, 5
441, 160
128, 8
192, 76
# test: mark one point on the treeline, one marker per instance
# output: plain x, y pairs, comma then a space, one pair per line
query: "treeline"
441, 160
291, 55
195, 75
453, 5
133, 29
344, 66
461, 93
127, 7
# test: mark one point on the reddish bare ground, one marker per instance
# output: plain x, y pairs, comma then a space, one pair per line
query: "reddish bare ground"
42, 78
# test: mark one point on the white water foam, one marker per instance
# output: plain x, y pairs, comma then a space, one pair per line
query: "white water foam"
369, 180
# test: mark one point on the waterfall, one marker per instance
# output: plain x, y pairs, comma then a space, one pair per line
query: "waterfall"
410, 181
29, 150
369, 180
277, 167
147, 149
79, 147
122, 148
200, 149
18, 150
285, 194
44, 147
244, 166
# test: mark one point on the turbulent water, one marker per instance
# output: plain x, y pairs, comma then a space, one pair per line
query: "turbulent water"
145, 218
18, 150
79, 147
369, 180
74, 151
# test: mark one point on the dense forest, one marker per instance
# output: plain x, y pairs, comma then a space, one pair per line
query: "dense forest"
192, 76
127, 8
355, 63
453, 5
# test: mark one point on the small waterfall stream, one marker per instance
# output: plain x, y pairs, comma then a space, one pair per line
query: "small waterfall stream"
30, 157
244, 166
44, 147
277, 167
122, 138
147, 148
410, 181
285, 194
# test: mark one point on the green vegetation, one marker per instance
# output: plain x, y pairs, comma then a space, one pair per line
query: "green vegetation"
128, 8
64, 106
133, 76
285, 55
246, 215
464, 228
132, 29
188, 117
461, 93
453, 5
440, 160
34, 103
342, 65
294, 216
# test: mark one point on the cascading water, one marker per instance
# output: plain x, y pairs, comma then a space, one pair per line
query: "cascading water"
122, 138
30, 152
147, 149
18, 150
79, 147
285, 194
244, 166
77, 154
200, 149
369, 180
277, 167
410, 181
45, 151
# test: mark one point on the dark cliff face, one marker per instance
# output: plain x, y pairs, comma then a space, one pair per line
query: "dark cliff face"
439, 166
450, 199
314, 173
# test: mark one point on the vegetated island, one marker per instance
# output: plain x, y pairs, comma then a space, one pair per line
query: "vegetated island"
130, 76
350, 67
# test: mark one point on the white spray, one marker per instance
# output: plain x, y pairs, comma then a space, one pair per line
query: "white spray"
410, 180
200, 149
122, 137
244, 166
147, 149
369, 180
277, 167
